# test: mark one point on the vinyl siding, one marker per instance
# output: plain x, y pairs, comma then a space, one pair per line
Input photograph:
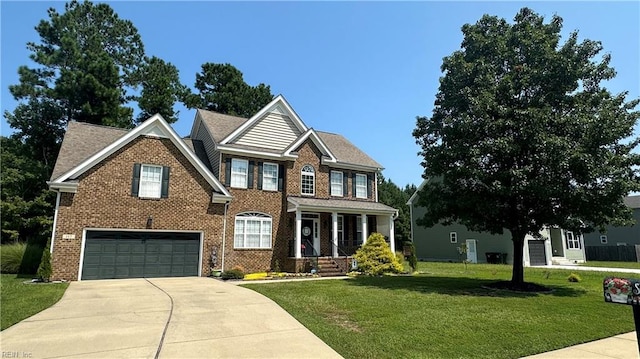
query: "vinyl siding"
274, 131
209, 146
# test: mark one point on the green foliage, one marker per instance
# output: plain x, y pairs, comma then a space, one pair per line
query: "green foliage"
400, 258
391, 195
11, 257
413, 259
44, 270
574, 278
32, 258
26, 205
232, 274
222, 89
375, 257
523, 135
161, 89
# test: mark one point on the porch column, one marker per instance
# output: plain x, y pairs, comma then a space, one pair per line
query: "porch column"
392, 235
298, 240
364, 228
334, 234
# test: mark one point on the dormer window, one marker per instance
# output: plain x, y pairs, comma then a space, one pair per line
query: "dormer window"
308, 179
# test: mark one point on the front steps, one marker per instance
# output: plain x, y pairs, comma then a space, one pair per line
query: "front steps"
327, 267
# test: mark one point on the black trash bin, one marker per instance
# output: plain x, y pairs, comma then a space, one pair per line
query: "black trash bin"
493, 257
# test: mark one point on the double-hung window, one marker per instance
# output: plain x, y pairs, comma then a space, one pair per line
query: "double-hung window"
307, 180
239, 173
269, 176
336, 183
604, 239
150, 181
573, 241
252, 230
361, 186
453, 237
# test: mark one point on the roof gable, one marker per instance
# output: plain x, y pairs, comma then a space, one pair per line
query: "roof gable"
155, 126
277, 112
313, 136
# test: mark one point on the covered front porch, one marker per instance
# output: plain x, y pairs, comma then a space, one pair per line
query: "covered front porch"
336, 228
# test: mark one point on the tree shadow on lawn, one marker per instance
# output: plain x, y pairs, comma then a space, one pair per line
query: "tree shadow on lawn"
457, 286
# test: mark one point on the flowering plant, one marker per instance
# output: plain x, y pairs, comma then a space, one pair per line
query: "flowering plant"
617, 286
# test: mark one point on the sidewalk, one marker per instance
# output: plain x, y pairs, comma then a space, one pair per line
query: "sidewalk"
623, 346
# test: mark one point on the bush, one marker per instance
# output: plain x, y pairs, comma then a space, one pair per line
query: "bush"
232, 274
413, 260
574, 278
375, 257
44, 270
31, 259
11, 257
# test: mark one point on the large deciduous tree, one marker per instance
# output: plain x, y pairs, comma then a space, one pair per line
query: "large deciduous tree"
524, 135
222, 89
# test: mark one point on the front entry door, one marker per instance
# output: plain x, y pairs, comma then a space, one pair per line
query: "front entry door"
472, 251
307, 237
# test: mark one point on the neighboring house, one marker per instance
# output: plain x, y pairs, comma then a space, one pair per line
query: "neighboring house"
260, 193
619, 236
441, 243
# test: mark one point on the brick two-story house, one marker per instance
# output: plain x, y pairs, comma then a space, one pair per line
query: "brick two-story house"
258, 193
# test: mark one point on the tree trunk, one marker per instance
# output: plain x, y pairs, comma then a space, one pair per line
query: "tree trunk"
517, 277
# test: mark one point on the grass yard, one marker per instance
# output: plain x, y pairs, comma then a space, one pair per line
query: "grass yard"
630, 265
444, 312
19, 301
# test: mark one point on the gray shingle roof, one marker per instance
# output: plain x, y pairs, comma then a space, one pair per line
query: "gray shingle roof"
345, 151
632, 201
219, 125
197, 147
341, 204
81, 141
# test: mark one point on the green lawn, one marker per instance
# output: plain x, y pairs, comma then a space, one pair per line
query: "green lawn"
631, 265
445, 313
19, 300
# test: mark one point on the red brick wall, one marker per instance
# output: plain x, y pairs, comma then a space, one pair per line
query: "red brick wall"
104, 200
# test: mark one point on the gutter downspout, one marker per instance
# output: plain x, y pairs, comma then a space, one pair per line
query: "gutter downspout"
224, 232
55, 222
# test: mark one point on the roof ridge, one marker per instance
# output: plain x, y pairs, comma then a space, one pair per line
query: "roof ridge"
223, 114
100, 126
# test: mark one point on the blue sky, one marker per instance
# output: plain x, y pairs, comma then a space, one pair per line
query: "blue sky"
361, 69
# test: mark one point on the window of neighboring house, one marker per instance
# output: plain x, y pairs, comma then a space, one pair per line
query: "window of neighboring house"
336, 183
150, 181
270, 177
252, 230
604, 239
341, 236
358, 239
361, 186
308, 177
453, 237
573, 241
239, 173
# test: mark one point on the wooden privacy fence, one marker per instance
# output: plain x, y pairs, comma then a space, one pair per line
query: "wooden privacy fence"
613, 253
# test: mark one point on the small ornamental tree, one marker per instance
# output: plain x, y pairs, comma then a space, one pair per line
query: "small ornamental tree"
375, 257
44, 271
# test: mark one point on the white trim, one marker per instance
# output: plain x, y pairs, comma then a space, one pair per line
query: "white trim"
278, 101
252, 216
375, 183
311, 174
366, 179
350, 166
243, 151
142, 167
341, 210
453, 237
246, 173
603, 238
415, 194
55, 222
155, 122
87, 229
68, 187
316, 140
298, 239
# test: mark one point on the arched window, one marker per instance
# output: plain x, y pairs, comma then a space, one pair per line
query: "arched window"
308, 179
252, 230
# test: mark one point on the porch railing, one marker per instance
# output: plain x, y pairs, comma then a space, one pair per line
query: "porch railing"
341, 255
308, 252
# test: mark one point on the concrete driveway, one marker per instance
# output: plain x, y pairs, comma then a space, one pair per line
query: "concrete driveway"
162, 318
